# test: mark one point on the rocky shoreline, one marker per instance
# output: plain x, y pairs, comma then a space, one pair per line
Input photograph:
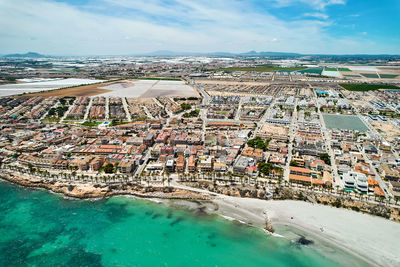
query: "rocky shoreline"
79, 190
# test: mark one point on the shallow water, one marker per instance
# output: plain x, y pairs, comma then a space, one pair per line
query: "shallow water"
42, 229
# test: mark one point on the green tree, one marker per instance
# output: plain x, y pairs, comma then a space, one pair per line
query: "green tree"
325, 157
293, 163
109, 168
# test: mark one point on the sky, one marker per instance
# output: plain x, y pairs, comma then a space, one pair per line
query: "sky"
131, 27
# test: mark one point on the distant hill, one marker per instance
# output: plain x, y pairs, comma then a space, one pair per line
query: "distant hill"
26, 55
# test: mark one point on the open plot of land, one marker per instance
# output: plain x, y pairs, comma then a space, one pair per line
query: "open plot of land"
131, 88
86, 90
347, 122
354, 76
387, 129
150, 89
367, 87
43, 88
363, 68
218, 82
171, 88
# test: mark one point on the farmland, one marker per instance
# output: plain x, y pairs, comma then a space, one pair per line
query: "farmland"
388, 76
312, 71
370, 75
330, 69
367, 87
263, 69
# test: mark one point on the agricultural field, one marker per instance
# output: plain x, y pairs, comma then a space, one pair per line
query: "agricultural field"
367, 87
344, 69
388, 76
330, 69
149, 88
263, 69
312, 71
370, 75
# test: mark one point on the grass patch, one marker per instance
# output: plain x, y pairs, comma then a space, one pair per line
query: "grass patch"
330, 69
193, 113
312, 71
367, 87
370, 75
51, 119
388, 76
91, 123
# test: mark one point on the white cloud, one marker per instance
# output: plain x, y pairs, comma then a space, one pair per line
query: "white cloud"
182, 25
315, 4
317, 15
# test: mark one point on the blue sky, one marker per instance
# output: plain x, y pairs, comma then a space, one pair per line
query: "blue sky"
120, 27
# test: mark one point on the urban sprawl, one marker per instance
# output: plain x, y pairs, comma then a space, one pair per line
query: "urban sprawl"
208, 122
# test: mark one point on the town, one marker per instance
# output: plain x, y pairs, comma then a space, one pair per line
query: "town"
288, 129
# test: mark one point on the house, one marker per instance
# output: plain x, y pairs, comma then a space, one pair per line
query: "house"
96, 163
206, 164
192, 164
240, 165
355, 181
220, 167
300, 171
126, 166
180, 164
170, 165
394, 187
149, 139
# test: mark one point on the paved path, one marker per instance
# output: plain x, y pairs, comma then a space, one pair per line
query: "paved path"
125, 105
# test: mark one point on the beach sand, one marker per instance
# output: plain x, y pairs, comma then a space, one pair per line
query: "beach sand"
372, 238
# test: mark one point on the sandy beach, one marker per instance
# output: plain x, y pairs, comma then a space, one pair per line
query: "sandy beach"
372, 238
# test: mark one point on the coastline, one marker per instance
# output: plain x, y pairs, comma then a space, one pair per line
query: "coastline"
367, 237
73, 189
341, 228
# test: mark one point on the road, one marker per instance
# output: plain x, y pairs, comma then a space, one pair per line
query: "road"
68, 111
125, 105
145, 159
88, 107
336, 181
292, 134
107, 109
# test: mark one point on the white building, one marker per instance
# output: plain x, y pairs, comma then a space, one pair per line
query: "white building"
355, 181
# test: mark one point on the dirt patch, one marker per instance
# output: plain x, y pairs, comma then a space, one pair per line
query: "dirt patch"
85, 90
386, 129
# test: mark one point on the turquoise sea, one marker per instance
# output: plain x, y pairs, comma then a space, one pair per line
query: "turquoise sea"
38, 228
